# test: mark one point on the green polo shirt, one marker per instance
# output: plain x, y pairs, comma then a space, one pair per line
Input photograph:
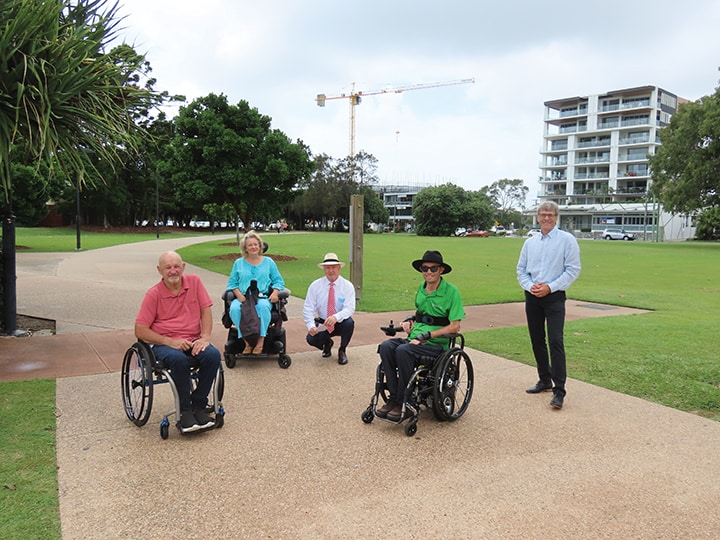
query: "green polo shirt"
444, 302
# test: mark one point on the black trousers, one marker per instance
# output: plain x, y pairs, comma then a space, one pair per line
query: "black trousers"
343, 329
399, 358
549, 354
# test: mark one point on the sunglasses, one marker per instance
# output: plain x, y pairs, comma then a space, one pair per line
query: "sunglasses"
432, 269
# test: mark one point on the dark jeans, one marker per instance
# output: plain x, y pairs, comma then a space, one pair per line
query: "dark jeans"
343, 329
399, 357
179, 363
548, 310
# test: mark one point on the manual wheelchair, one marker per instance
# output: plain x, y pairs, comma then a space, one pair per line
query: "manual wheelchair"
274, 340
141, 372
443, 384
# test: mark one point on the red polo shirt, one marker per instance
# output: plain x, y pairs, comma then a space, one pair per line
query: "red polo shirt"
175, 316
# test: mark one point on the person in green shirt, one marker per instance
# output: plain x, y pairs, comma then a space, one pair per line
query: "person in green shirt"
439, 311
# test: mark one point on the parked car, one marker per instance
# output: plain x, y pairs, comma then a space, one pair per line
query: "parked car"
617, 234
483, 234
532, 232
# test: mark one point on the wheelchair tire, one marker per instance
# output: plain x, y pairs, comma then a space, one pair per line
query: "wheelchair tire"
219, 420
410, 428
367, 415
219, 385
164, 431
284, 361
137, 383
230, 360
453, 385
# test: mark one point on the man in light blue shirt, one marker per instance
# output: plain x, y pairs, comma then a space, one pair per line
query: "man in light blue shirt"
549, 263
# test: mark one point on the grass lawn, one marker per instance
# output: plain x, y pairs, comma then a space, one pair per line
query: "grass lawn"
668, 356
59, 239
28, 494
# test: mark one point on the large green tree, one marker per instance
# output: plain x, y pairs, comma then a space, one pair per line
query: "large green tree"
224, 153
326, 197
64, 97
508, 197
438, 211
686, 168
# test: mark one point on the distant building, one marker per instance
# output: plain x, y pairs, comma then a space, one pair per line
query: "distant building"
398, 199
595, 161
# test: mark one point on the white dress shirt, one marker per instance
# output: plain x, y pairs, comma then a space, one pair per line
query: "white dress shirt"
317, 298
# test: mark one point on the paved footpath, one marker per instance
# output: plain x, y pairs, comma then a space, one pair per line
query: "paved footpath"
294, 460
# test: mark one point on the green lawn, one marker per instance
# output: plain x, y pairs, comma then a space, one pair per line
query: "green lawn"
52, 239
668, 356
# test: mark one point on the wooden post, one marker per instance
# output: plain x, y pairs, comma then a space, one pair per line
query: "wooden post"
357, 203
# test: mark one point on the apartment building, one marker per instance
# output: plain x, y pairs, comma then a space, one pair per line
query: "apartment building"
398, 199
595, 156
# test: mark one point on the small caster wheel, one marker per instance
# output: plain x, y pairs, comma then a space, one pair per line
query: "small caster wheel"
284, 361
411, 428
219, 419
230, 360
164, 430
367, 415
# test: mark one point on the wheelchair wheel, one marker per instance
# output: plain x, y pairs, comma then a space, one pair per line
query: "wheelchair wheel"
220, 384
367, 415
453, 385
410, 428
230, 360
137, 384
284, 361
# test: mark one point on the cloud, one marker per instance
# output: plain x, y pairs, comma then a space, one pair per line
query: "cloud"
279, 54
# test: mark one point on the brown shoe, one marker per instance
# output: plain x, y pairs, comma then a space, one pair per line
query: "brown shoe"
383, 411
395, 415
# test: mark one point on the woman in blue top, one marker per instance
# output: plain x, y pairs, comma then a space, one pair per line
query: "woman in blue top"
254, 266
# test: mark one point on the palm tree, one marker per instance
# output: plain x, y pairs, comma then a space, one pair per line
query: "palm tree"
64, 97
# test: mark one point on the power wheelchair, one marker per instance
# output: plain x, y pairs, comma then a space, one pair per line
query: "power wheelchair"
275, 340
141, 372
443, 384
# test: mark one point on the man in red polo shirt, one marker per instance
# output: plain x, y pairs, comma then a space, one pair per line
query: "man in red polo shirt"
175, 318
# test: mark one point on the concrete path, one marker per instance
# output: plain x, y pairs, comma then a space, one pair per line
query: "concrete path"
294, 460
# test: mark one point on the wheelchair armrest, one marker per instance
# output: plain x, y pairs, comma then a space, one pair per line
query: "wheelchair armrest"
283, 294
228, 296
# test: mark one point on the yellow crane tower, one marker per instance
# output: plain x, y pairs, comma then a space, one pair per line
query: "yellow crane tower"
356, 98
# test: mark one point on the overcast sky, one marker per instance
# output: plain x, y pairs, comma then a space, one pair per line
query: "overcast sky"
279, 54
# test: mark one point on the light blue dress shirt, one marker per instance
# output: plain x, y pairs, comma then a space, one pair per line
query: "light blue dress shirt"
553, 259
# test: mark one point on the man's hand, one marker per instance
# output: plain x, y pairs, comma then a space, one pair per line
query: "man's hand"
180, 344
540, 289
199, 345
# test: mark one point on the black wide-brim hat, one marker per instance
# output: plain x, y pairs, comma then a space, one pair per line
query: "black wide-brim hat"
432, 257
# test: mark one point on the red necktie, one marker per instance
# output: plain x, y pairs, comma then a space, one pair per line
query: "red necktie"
331, 306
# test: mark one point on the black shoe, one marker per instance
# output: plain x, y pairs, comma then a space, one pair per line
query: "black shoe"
188, 422
539, 387
204, 420
342, 358
327, 348
557, 401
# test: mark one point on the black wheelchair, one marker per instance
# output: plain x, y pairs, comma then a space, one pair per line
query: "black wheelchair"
443, 384
141, 372
275, 339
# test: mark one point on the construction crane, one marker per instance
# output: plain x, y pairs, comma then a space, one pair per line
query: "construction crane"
356, 98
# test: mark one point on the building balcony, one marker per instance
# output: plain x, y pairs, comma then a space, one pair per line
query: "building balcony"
634, 140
